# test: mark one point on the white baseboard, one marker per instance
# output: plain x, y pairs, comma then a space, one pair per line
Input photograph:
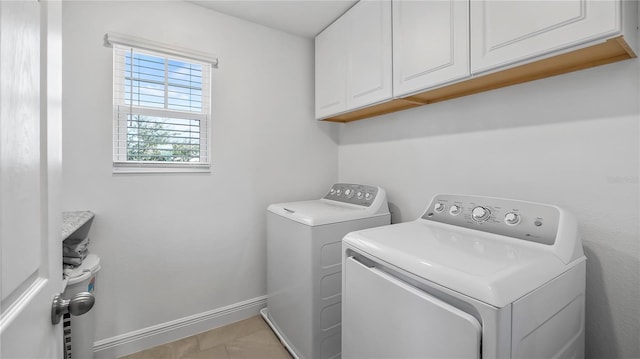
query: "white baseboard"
150, 337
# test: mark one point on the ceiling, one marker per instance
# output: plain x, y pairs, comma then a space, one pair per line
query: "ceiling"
304, 18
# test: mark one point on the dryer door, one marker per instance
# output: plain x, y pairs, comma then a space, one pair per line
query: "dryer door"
383, 317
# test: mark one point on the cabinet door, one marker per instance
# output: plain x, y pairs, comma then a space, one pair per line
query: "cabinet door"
430, 44
369, 53
331, 69
506, 32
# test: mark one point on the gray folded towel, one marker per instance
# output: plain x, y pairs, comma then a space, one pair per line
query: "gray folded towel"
75, 248
74, 261
78, 253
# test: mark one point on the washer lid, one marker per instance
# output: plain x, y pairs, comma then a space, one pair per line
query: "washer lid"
322, 211
492, 268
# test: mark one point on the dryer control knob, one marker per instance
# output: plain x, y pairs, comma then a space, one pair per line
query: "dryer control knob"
511, 218
480, 214
438, 207
454, 210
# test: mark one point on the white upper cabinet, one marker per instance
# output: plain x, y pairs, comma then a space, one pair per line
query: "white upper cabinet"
331, 69
430, 44
369, 62
384, 56
506, 32
353, 59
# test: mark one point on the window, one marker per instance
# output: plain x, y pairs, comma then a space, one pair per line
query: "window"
161, 110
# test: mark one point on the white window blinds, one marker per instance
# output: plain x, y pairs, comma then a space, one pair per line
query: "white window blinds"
161, 109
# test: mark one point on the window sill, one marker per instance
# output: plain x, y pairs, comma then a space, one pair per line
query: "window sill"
127, 168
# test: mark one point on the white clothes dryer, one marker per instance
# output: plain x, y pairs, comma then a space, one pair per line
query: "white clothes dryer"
474, 277
304, 265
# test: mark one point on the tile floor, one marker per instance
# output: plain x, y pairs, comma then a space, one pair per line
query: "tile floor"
247, 339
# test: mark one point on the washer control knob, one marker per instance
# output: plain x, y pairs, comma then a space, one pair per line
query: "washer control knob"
359, 195
438, 207
455, 210
348, 192
338, 191
367, 196
480, 214
333, 191
511, 218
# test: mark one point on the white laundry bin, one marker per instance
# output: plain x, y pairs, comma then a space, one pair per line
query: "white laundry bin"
79, 331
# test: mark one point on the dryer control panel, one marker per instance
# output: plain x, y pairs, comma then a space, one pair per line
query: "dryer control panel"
529, 221
358, 194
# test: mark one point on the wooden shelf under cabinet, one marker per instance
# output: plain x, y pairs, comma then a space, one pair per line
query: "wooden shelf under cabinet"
612, 50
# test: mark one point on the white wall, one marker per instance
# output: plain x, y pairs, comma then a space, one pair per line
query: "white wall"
571, 140
175, 245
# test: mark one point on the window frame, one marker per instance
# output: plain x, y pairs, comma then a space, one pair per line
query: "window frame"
121, 110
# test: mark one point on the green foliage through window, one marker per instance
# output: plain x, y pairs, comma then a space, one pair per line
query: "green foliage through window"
165, 140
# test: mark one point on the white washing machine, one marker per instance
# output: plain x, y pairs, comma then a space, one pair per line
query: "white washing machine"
474, 277
304, 265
